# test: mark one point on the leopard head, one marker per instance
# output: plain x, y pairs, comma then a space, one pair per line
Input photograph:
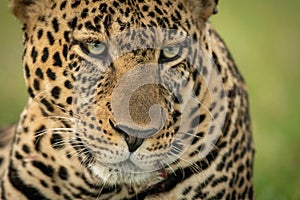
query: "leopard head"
131, 81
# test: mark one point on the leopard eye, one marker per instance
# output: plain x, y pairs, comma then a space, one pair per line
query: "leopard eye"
94, 49
170, 53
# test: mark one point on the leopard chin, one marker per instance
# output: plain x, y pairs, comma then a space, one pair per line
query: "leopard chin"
125, 173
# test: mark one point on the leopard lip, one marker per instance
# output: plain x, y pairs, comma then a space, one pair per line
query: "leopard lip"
126, 166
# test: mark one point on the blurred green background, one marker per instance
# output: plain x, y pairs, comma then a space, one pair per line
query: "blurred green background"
264, 39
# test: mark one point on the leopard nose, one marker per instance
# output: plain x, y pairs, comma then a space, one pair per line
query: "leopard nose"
133, 142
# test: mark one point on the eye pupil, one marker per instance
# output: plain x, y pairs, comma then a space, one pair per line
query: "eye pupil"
97, 45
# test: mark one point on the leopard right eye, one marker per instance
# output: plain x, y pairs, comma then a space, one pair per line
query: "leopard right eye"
94, 49
170, 53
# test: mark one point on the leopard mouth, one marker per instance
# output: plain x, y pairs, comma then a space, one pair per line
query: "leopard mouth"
126, 166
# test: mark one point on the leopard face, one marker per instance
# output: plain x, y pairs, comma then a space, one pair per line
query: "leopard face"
77, 73
136, 92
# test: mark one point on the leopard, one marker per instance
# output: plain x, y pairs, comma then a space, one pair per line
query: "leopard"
127, 99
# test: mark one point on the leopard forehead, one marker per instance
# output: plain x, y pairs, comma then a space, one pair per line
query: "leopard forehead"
51, 28
103, 19
131, 10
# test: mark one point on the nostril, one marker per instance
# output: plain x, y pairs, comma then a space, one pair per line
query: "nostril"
134, 138
133, 142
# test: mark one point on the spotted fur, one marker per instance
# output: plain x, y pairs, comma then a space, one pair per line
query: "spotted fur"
68, 143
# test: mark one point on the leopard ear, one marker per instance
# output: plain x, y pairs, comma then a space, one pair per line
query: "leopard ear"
203, 9
20, 8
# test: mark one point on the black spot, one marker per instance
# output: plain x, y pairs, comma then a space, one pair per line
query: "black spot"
47, 170
186, 190
79, 27
63, 173
57, 141
57, 60
84, 13
50, 38
18, 156
57, 190
55, 92
248, 175
39, 73
91, 126
30, 92
219, 195
211, 129
241, 168
97, 19
63, 5
68, 84
151, 14
48, 105
217, 181
65, 51
90, 26
51, 74
197, 89
66, 36
220, 166
250, 193
26, 149
40, 34
145, 8
111, 10
75, 3
216, 61
36, 84
55, 25
45, 55
178, 15
197, 120
72, 24
241, 182
69, 100
103, 8
27, 71
115, 4
53, 6
158, 10
44, 183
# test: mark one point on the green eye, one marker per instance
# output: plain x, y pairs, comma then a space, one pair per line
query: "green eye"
170, 53
96, 48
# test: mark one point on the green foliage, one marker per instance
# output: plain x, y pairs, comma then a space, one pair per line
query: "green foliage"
12, 89
264, 39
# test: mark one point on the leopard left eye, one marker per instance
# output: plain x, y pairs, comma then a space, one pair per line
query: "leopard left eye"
94, 49
170, 53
